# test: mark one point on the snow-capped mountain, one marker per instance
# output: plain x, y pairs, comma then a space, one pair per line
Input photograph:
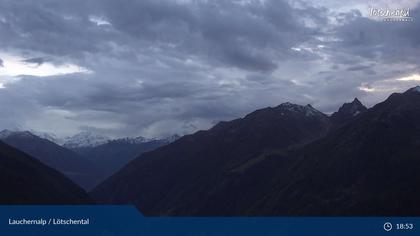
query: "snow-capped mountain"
290, 108
140, 140
85, 139
5, 133
135, 140
48, 136
171, 139
20, 134
30, 133
308, 110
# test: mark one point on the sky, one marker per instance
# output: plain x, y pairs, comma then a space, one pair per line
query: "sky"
157, 68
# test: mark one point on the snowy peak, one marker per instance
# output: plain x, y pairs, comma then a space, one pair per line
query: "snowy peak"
308, 110
85, 139
22, 134
6, 133
311, 111
48, 136
172, 138
141, 139
135, 140
81, 140
29, 134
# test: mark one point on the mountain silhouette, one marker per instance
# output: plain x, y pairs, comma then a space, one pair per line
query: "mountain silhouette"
367, 167
286, 161
347, 112
25, 180
193, 175
77, 168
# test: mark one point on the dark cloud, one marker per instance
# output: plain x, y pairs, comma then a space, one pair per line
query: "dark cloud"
384, 42
164, 67
36, 61
1, 63
249, 36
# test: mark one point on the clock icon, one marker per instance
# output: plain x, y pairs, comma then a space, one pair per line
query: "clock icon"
387, 226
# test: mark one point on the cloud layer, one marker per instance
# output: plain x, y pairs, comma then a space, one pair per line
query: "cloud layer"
156, 68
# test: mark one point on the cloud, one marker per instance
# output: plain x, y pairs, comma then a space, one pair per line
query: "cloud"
414, 77
155, 68
36, 60
17, 66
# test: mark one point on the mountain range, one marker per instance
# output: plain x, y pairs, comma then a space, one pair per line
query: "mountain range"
289, 160
86, 158
84, 139
369, 166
